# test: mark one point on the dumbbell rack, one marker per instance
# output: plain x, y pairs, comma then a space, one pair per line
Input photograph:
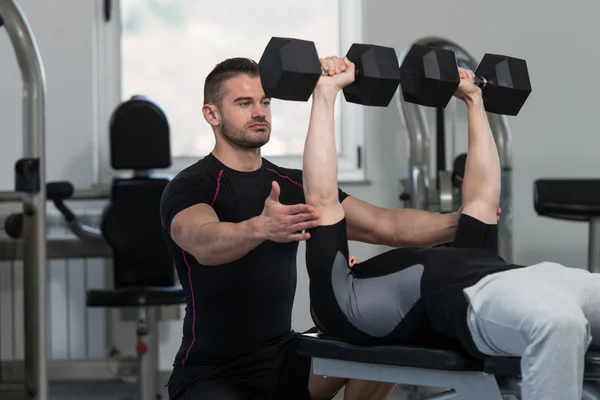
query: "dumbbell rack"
430, 185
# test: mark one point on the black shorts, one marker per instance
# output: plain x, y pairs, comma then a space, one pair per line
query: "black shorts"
273, 372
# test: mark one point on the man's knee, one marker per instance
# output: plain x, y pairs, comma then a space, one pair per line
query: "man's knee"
568, 325
321, 388
357, 389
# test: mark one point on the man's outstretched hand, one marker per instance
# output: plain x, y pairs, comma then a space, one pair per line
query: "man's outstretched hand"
285, 223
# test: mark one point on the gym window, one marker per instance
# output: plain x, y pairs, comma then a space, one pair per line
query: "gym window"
165, 48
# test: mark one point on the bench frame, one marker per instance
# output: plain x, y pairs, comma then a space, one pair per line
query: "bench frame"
468, 385
463, 385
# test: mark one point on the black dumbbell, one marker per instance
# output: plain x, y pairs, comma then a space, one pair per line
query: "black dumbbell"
429, 77
290, 69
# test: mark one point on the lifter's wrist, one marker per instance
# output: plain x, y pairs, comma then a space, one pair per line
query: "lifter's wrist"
473, 101
325, 94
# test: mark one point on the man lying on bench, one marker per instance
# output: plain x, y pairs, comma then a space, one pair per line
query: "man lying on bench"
464, 295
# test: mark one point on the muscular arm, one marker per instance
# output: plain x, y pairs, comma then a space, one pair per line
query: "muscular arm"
199, 232
398, 228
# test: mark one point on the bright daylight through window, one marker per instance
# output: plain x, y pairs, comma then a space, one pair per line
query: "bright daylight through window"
168, 48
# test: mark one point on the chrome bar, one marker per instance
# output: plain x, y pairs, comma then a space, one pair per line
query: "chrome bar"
97, 193
67, 370
58, 248
149, 362
419, 137
34, 223
447, 395
593, 245
85, 232
420, 142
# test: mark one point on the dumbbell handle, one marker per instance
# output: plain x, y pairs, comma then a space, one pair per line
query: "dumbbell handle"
481, 82
357, 72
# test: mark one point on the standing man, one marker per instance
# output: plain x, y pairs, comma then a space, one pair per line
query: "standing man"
233, 221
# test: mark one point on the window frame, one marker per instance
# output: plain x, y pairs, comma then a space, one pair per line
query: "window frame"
351, 160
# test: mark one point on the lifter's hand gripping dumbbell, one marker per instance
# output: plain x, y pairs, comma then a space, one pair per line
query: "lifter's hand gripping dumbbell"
337, 74
468, 88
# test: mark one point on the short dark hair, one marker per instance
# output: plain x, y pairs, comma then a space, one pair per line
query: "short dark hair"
225, 70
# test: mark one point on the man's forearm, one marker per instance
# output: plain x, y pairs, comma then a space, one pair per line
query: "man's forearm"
319, 162
421, 228
224, 242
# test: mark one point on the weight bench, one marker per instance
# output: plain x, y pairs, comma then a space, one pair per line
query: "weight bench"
462, 376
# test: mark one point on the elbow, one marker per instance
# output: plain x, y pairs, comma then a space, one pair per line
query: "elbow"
203, 257
188, 248
321, 199
200, 257
189, 243
208, 261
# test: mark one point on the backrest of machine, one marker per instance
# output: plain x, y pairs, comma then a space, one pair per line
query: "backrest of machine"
140, 142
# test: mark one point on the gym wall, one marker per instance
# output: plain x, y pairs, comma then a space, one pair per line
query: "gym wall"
554, 135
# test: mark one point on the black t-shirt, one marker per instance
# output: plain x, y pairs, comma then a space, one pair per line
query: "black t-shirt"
235, 308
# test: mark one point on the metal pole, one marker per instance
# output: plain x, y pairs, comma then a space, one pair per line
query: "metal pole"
148, 360
419, 137
593, 247
98, 193
419, 142
34, 202
503, 138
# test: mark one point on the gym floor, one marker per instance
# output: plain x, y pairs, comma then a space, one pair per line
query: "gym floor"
95, 391
126, 391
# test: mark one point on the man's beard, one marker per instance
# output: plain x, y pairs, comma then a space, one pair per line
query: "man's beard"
245, 138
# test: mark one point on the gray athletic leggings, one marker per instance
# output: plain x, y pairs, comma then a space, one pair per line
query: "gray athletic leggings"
548, 314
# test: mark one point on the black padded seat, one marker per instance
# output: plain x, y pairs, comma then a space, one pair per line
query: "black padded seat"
136, 297
315, 345
144, 275
319, 346
568, 199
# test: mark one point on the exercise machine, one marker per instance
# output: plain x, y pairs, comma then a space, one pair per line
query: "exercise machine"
146, 284
144, 276
431, 184
30, 185
575, 200
130, 233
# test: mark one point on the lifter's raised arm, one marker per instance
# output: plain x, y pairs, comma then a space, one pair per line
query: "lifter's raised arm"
481, 185
320, 158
